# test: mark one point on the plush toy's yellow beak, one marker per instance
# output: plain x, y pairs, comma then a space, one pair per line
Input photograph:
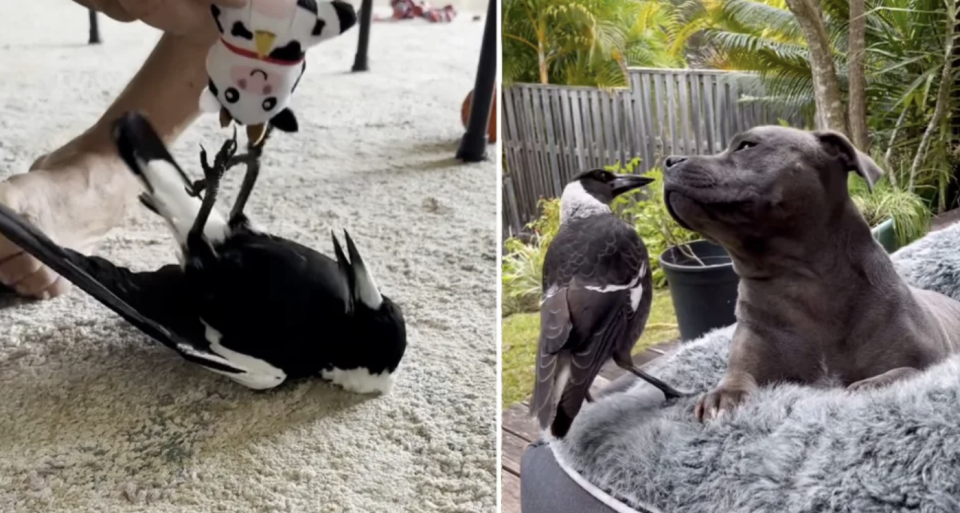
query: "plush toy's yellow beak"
264, 41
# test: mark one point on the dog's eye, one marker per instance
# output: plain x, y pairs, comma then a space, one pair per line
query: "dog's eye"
744, 145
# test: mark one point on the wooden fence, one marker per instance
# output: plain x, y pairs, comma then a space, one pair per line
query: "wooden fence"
551, 133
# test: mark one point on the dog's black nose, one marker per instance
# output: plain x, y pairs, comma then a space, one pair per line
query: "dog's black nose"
673, 160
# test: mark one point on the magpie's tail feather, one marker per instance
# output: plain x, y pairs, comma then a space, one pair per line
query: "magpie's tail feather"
140, 298
168, 190
76, 269
570, 403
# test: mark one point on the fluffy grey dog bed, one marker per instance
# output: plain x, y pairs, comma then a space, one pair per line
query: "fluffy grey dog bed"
790, 448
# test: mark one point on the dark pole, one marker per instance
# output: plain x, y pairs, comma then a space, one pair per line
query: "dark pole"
473, 146
366, 17
94, 28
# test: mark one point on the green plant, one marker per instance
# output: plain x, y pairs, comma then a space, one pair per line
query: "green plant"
522, 268
910, 214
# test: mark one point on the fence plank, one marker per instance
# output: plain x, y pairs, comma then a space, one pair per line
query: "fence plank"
695, 109
533, 156
578, 129
646, 117
612, 139
670, 102
631, 134
661, 105
596, 110
554, 151
684, 124
511, 205
587, 121
711, 113
569, 158
620, 125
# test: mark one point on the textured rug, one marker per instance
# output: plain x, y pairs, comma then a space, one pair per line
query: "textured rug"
94, 418
790, 448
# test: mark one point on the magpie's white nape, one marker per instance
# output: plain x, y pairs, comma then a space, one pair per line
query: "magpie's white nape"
257, 308
591, 192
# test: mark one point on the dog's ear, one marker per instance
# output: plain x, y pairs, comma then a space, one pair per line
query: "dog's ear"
839, 147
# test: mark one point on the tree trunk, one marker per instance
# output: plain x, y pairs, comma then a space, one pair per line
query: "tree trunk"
858, 77
943, 98
542, 59
831, 113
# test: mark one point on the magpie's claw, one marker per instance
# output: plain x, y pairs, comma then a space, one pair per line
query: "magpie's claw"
204, 163
198, 187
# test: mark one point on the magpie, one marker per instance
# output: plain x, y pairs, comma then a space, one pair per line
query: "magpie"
255, 307
597, 292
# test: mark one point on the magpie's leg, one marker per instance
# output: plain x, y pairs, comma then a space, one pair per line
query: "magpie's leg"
252, 160
668, 391
588, 397
211, 178
222, 161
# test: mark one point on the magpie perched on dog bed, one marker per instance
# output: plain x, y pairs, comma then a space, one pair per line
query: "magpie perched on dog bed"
597, 292
257, 308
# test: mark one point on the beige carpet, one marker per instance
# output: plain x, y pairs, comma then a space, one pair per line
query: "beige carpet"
93, 418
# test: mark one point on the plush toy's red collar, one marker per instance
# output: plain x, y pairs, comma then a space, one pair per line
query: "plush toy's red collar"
253, 55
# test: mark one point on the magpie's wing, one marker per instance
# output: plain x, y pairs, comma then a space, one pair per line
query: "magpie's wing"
555, 328
592, 270
600, 251
601, 325
152, 302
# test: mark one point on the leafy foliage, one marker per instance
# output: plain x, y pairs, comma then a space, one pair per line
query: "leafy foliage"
905, 57
911, 217
522, 267
584, 42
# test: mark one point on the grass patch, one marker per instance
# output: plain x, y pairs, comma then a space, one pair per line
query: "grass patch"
521, 331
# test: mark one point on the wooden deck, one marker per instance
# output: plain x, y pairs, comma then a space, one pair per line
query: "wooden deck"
519, 429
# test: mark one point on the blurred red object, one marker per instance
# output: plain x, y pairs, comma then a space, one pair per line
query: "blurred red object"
492, 127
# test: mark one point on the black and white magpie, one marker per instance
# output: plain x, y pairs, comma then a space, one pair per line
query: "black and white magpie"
597, 292
257, 308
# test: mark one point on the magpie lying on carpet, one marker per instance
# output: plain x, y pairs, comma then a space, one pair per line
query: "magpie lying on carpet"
252, 306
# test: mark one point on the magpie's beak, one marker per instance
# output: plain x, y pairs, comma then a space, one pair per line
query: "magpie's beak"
627, 183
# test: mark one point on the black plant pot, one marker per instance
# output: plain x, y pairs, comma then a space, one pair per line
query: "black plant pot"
704, 296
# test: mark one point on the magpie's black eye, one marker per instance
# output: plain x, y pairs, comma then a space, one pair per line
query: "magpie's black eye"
231, 95
745, 145
269, 103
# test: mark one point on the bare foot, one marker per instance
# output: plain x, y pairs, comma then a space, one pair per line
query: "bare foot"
75, 196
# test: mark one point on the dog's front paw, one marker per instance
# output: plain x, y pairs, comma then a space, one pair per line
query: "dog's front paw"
719, 401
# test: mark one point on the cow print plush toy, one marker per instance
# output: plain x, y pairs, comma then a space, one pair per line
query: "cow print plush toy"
259, 59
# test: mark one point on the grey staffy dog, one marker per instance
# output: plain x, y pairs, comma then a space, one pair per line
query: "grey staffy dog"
819, 300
